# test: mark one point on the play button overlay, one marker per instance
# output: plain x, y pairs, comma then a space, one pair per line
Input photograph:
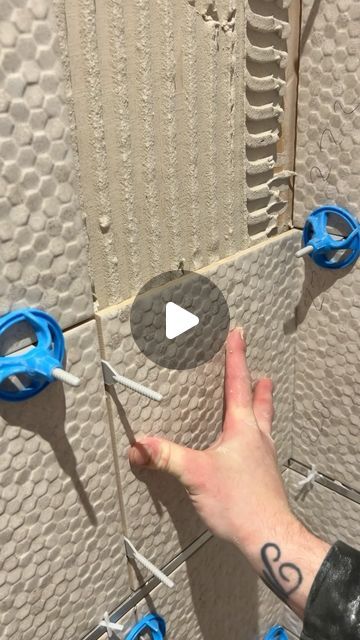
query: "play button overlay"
179, 320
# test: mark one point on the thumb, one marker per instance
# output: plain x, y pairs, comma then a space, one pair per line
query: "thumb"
163, 455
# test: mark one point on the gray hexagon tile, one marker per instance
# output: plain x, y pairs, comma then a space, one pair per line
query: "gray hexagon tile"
327, 375
63, 561
328, 515
328, 129
216, 595
260, 288
43, 258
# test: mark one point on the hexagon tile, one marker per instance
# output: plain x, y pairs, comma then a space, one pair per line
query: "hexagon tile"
43, 259
328, 129
328, 515
63, 561
327, 375
216, 595
260, 288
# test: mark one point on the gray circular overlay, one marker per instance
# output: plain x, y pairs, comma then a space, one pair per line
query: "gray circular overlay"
194, 293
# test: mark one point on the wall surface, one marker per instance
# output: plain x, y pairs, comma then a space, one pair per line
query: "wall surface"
62, 553
160, 520
327, 408
328, 514
177, 109
133, 136
43, 258
327, 382
328, 132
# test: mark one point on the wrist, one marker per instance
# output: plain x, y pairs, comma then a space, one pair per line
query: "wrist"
281, 524
287, 557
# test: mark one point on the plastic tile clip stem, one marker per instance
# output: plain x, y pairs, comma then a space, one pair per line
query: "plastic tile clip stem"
133, 554
112, 377
28, 373
324, 247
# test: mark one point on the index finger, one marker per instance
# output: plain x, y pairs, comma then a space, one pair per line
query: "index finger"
238, 389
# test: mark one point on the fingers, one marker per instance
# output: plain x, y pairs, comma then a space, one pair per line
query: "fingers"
163, 455
238, 391
263, 404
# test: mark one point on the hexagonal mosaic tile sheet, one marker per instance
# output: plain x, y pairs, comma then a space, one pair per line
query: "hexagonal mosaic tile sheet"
216, 595
327, 375
43, 258
328, 131
63, 561
328, 515
260, 288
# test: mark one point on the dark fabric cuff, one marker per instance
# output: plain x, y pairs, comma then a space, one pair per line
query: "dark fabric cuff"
333, 606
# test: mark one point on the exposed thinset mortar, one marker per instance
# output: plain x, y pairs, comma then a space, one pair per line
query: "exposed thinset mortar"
164, 152
267, 59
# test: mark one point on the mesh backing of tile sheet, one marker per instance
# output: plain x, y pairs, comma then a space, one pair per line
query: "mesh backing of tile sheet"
216, 595
43, 257
62, 556
328, 130
328, 515
327, 375
259, 288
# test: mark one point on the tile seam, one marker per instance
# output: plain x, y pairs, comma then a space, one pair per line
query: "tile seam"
145, 590
329, 483
239, 254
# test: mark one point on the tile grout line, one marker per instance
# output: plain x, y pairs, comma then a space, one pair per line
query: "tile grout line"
329, 483
114, 450
141, 593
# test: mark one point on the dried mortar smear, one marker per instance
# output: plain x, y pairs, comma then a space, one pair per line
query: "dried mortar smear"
175, 159
328, 134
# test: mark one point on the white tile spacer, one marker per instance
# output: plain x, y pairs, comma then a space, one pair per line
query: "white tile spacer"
111, 377
133, 553
310, 478
304, 251
17, 383
110, 626
66, 377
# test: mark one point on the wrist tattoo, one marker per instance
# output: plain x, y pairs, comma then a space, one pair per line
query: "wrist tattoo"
282, 578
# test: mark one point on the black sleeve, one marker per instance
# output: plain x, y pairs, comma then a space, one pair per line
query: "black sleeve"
333, 607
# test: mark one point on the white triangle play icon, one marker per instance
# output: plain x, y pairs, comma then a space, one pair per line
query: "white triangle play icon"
178, 320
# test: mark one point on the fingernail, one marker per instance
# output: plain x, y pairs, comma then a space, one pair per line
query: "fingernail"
241, 330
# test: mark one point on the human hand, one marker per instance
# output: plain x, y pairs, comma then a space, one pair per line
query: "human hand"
235, 484
236, 487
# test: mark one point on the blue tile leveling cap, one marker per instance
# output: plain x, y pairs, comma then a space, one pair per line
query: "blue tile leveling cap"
276, 633
152, 623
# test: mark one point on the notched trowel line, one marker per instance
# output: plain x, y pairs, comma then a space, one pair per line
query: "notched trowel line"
266, 71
